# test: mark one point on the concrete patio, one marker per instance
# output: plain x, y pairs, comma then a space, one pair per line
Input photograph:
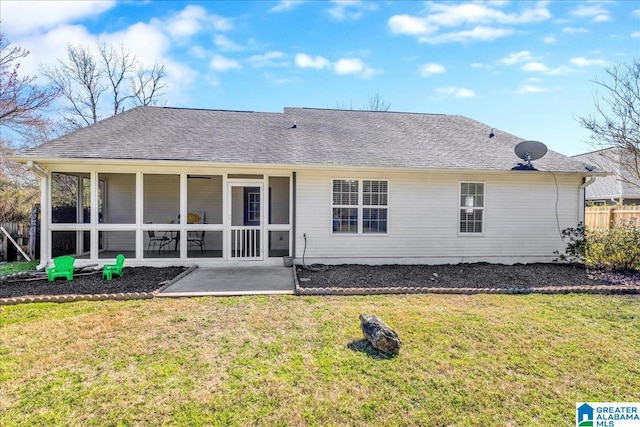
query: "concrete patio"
228, 281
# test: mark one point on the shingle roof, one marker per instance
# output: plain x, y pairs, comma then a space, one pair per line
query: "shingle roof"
321, 137
610, 187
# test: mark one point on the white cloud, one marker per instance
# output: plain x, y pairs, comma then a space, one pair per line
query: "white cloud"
428, 70
344, 66
481, 65
192, 20
411, 25
584, 62
186, 23
225, 43
529, 88
535, 66
477, 33
147, 41
220, 63
270, 59
198, 51
26, 17
594, 11
458, 92
350, 9
561, 71
479, 21
47, 48
349, 66
549, 40
306, 61
285, 5
517, 57
635, 34
572, 30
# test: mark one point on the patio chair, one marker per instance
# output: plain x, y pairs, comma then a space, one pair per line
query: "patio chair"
108, 270
196, 238
156, 241
62, 267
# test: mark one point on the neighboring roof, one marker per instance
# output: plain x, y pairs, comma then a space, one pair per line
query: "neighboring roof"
321, 137
610, 187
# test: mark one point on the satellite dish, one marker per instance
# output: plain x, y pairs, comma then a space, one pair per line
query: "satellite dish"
527, 151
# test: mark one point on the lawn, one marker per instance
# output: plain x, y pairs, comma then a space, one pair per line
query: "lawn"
285, 360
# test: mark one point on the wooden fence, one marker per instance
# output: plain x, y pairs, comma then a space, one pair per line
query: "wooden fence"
605, 217
19, 231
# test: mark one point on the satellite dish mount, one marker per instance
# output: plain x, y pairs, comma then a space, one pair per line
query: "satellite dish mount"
528, 151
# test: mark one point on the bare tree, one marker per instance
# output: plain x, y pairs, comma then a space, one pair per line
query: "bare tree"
23, 108
84, 77
376, 103
148, 84
22, 103
616, 122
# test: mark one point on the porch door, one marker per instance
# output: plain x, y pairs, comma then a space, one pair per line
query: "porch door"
246, 219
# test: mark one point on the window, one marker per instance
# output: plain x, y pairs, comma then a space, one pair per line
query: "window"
349, 204
471, 207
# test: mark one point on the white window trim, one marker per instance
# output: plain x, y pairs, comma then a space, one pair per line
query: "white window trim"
359, 206
459, 208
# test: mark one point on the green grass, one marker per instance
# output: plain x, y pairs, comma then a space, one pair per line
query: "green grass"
466, 361
15, 266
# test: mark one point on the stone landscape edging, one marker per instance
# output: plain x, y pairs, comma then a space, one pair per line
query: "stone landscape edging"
77, 297
557, 290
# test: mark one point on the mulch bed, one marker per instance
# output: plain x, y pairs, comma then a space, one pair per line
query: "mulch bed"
352, 279
135, 280
478, 275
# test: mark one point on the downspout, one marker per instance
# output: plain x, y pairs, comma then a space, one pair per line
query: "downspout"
293, 222
44, 211
583, 187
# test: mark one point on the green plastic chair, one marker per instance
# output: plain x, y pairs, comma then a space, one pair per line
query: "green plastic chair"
110, 269
62, 267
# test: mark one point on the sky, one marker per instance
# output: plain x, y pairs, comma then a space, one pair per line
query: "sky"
524, 67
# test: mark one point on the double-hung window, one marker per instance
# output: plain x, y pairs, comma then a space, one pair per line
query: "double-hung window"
471, 207
360, 206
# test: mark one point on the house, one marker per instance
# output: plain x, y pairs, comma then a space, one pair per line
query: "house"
179, 186
621, 188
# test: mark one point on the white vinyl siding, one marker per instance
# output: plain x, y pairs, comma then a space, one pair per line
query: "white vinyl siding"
359, 206
471, 207
425, 223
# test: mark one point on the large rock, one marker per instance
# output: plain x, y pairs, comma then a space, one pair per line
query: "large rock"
379, 334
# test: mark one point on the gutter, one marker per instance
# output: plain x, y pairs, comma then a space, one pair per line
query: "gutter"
35, 168
587, 183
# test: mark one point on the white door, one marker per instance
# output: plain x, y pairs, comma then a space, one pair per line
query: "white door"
245, 219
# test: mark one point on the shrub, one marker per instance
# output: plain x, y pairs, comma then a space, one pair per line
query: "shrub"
614, 249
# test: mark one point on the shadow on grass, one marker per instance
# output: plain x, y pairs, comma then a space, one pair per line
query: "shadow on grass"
364, 346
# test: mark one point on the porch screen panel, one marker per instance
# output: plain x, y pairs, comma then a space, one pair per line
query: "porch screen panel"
278, 200
117, 198
112, 243
204, 198
161, 198
67, 198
